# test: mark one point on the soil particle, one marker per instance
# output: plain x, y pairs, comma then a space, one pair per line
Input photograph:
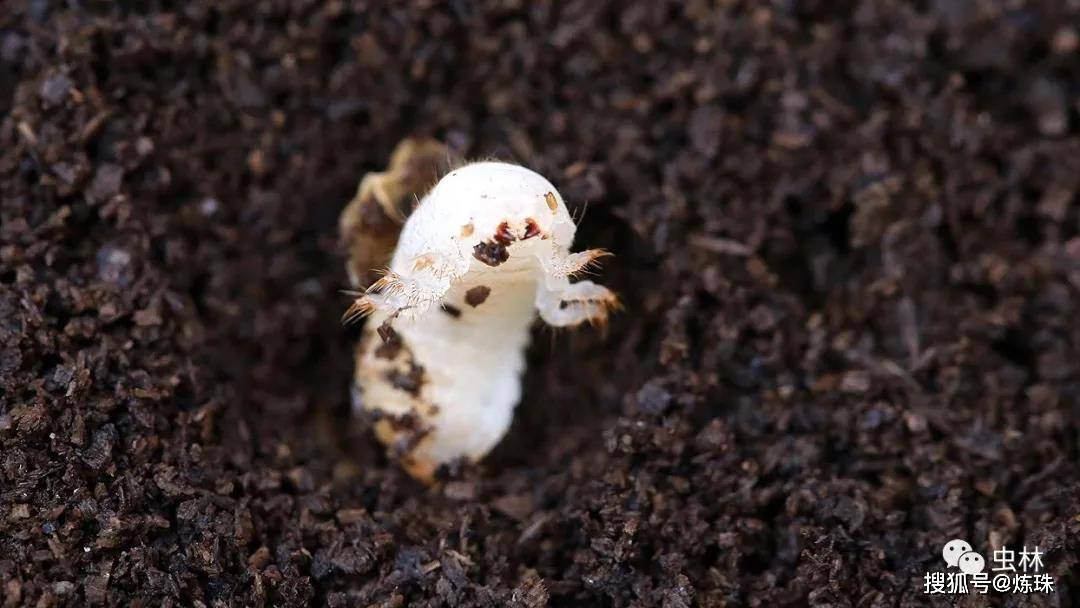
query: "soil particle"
55, 89
846, 235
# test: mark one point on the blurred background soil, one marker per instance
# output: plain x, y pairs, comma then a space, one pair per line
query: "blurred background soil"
847, 235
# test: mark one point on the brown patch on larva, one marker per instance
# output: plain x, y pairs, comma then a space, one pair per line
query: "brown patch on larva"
552, 202
422, 470
423, 261
531, 229
477, 295
391, 345
491, 254
387, 333
503, 236
433, 410
451, 310
408, 421
410, 380
406, 442
388, 351
403, 435
494, 252
467, 230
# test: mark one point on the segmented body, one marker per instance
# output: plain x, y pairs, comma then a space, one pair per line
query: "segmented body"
442, 355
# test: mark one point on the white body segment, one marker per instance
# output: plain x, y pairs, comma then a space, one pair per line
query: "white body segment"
443, 352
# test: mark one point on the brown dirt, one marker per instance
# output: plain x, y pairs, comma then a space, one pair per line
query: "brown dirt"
847, 236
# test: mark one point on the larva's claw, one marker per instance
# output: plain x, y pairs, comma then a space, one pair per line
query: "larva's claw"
577, 263
577, 303
415, 290
360, 308
390, 284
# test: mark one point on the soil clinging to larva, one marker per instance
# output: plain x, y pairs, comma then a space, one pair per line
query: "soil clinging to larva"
491, 253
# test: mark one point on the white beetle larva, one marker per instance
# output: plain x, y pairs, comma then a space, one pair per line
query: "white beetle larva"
441, 359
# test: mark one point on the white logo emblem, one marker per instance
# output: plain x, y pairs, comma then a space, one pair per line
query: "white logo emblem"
953, 550
966, 572
972, 563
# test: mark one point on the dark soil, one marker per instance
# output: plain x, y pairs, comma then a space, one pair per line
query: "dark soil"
847, 236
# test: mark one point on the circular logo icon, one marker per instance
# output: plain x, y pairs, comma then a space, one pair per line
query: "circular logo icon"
953, 550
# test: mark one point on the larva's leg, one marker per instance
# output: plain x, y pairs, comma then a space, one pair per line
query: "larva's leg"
575, 263
408, 295
571, 304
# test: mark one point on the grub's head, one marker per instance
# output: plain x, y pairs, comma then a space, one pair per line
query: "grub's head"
501, 208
